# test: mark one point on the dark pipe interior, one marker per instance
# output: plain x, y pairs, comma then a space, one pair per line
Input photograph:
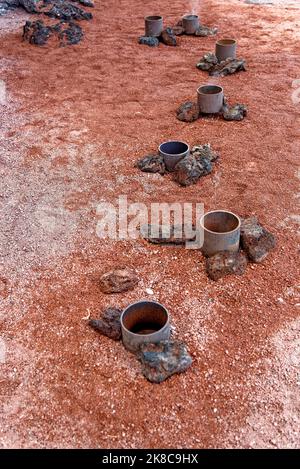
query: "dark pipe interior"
153, 18
220, 222
210, 89
174, 148
145, 318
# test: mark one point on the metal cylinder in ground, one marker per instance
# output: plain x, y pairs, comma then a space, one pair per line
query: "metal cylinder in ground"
221, 232
225, 49
153, 26
210, 99
190, 23
144, 322
173, 151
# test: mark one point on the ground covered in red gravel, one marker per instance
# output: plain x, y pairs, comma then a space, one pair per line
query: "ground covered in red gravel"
73, 122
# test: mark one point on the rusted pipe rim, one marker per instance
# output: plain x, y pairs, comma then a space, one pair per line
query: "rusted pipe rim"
153, 18
184, 145
137, 303
235, 217
190, 17
207, 90
226, 42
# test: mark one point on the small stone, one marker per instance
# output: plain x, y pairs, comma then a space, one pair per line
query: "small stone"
164, 359
226, 263
118, 280
188, 111
152, 164
234, 113
256, 240
109, 325
149, 41
189, 170
149, 291
168, 37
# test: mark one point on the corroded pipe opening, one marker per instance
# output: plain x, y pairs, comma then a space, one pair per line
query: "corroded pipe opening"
221, 232
144, 321
190, 23
225, 49
153, 25
173, 151
210, 99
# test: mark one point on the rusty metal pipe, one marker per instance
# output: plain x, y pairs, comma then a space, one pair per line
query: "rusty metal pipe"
190, 23
144, 322
173, 151
153, 26
225, 49
210, 99
221, 232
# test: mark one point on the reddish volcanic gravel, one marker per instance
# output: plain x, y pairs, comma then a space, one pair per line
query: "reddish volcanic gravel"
74, 122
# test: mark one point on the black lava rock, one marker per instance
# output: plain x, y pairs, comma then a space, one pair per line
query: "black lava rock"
149, 41
109, 324
164, 359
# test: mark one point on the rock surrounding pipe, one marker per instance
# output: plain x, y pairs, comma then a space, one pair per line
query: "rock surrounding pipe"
190, 23
144, 322
225, 49
221, 232
210, 99
173, 152
153, 26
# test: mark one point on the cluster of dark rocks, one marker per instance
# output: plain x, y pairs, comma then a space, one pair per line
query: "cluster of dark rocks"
256, 243
67, 30
36, 32
189, 112
168, 36
188, 171
210, 63
160, 360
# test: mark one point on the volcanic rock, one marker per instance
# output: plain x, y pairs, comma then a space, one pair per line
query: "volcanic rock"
66, 11
152, 164
256, 240
228, 67
204, 31
36, 32
118, 280
234, 113
149, 41
168, 37
164, 359
109, 324
178, 30
209, 63
29, 5
71, 34
204, 151
161, 234
188, 112
190, 169
226, 263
